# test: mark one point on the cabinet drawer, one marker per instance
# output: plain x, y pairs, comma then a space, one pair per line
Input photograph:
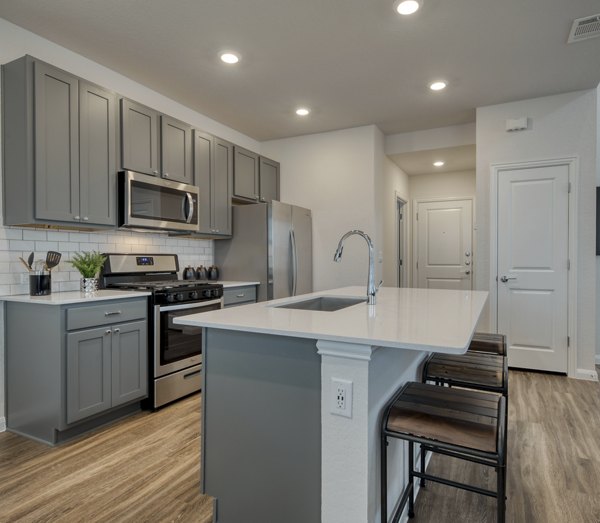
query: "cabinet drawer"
237, 295
105, 313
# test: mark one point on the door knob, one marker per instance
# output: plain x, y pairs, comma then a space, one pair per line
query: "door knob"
504, 279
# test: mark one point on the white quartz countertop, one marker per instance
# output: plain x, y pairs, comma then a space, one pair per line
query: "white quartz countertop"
232, 284
66, 298
419, 319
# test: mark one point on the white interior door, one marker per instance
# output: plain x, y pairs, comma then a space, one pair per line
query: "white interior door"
533, 226
444, 244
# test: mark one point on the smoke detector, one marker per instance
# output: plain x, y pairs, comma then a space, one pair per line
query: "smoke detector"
584, 28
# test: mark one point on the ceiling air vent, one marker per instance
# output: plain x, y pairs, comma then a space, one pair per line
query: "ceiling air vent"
584, 28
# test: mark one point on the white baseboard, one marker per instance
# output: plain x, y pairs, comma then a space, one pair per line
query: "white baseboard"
585, 374
2, 424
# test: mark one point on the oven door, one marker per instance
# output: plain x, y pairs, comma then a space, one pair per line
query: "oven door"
178, 347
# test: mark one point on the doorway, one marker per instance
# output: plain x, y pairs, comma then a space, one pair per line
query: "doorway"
401, 242
443, 243
532, 249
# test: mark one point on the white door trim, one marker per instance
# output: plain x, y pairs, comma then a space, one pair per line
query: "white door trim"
415, 242
572, 164
405, 240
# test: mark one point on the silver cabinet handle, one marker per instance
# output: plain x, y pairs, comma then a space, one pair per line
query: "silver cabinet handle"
155, 172
504, 279
263, 200
77, 217
107, 332
166, 175
112, 313
240, 295
85, 218
117, 330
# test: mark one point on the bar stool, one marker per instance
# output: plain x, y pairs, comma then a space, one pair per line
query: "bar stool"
464, 424
489, 343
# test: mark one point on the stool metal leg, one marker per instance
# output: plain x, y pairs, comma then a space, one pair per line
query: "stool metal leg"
411, 482
423, 456
383, 480
501, 471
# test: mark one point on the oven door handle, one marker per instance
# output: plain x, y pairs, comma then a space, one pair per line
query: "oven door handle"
195, 305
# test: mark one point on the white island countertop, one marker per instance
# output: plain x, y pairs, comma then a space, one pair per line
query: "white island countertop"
70, 297
418, 319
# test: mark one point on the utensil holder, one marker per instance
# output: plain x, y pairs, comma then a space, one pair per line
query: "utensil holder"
40, 283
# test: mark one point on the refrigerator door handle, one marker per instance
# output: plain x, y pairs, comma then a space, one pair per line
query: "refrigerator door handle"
294, 262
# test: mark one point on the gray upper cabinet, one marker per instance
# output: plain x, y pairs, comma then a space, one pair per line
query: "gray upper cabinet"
57, 144
139, 138
213, 169
245, 174
97, 154
269, 180
176, 149
59, 147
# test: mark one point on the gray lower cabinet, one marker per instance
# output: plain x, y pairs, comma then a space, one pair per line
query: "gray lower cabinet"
234, 296
106, 367
71, 368
213, 167
256, 178
59, 135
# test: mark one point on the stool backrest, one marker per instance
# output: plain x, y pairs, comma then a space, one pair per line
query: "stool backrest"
488, 342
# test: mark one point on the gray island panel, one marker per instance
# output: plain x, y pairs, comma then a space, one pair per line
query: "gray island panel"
261, 434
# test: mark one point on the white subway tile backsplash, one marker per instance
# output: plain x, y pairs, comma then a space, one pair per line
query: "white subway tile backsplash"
21, 245
15, 242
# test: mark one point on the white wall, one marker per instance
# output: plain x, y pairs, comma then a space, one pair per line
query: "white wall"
14, 242
396, 185
440, 138
560, 126
333, 174
598, 257
442, 185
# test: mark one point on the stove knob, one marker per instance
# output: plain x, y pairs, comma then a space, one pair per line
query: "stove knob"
170, 298
206, 293
179, 296
194, 295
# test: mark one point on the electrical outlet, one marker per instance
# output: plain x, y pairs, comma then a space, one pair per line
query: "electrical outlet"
341, 397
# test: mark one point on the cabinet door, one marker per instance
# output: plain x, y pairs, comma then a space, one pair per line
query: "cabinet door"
97, 144
176, 149
245, 174
222, 186
129, 362
203, 168
56, 144
88, 373
269, 180
139, 138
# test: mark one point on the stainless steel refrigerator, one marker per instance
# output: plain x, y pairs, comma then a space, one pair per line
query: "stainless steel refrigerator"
272, 244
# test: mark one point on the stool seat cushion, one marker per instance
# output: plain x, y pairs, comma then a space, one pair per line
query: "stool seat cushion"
488, 342
456, 416
477, 369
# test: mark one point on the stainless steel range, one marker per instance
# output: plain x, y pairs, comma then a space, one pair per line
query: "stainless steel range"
175, 358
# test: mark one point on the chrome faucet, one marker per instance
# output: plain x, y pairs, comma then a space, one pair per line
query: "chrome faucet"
371, 289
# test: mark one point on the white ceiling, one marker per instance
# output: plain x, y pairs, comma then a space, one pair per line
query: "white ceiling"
354, 62
460, 158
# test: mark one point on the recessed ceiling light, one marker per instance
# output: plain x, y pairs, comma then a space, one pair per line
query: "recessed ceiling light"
437, 86
230, 58
438, 164
407, 7
302, 111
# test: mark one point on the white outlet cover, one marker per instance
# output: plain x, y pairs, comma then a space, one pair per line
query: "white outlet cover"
345, 388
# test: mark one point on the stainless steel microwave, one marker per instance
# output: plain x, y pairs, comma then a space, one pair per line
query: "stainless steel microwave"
153, 203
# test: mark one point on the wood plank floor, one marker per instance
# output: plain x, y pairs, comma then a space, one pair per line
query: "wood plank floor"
145, 469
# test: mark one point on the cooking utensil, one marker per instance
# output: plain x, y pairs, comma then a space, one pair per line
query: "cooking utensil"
30, 260
52, 259
24, 263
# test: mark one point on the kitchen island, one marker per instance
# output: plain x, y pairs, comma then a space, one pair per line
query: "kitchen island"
272, 450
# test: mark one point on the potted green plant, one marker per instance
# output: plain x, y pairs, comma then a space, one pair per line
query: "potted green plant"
88, 264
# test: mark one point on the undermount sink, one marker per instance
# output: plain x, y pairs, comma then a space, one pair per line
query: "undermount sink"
323, 303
